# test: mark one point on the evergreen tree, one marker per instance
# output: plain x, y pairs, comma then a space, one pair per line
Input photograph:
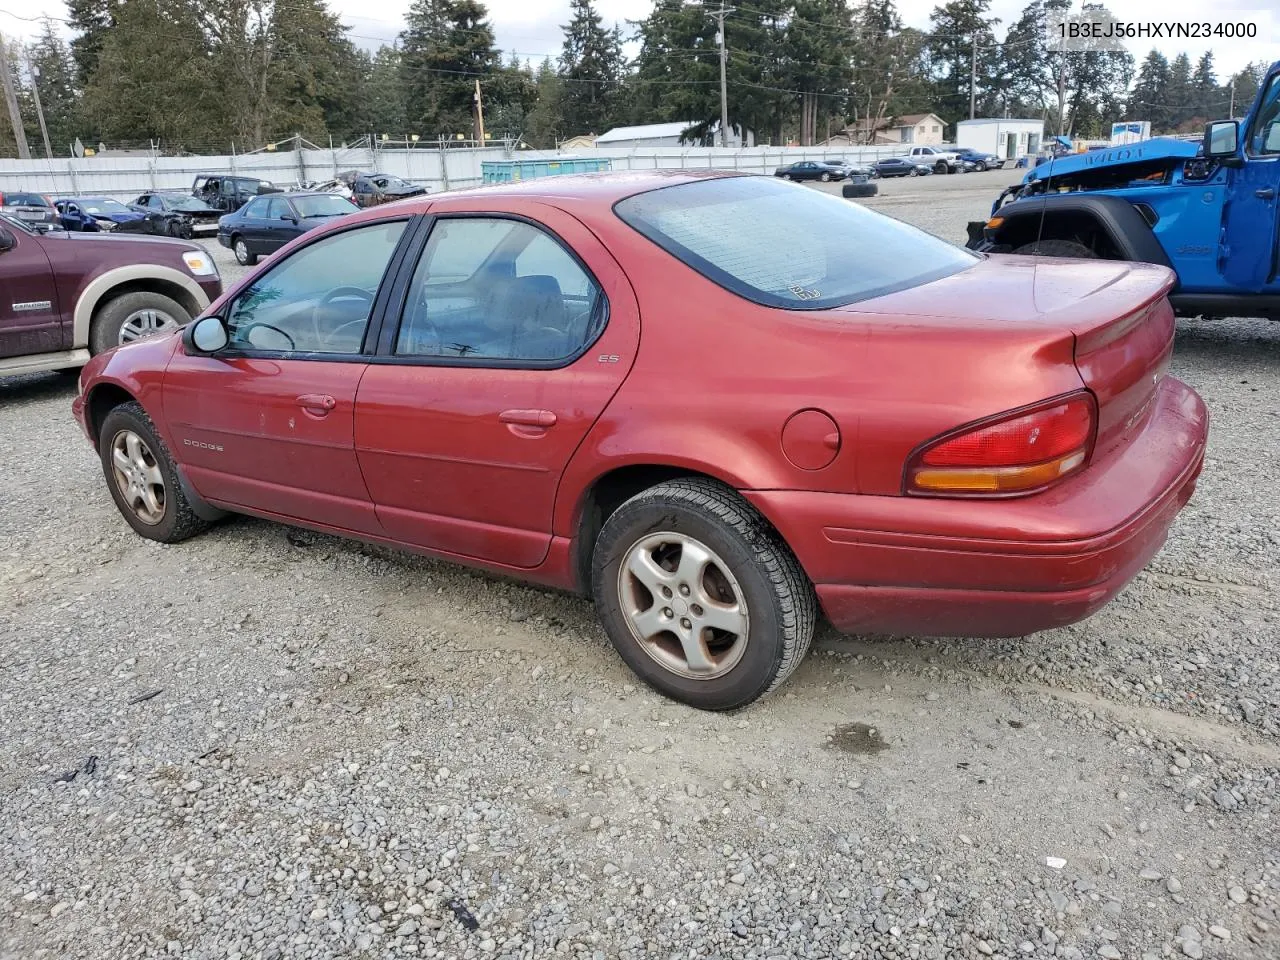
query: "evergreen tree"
957, 26
1150, 95
1208, 95
591, 68
544, 124
55, 79
815, 52
384, 99
91, 20
446, 47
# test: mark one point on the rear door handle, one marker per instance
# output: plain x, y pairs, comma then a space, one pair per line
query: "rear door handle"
528, 418
1266, 193
312, 402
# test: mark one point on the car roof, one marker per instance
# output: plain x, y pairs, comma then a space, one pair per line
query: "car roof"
591, 188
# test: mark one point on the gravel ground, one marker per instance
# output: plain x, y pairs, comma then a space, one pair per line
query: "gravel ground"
266, 743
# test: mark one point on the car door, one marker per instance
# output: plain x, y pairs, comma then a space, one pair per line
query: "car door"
513, 337
30, 321
1251, 237
253, 225
267, 424
280, 225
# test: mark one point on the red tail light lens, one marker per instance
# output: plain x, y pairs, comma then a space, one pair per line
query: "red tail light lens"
1017, 452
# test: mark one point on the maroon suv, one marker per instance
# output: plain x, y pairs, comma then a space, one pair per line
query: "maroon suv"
67, 296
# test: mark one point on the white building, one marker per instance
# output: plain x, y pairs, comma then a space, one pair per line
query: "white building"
666, 135
1006, 138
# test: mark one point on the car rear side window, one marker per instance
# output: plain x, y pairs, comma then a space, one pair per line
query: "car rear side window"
788, 246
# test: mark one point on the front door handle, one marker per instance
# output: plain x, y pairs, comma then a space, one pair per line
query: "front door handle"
528, 418
1266, 193
317, 403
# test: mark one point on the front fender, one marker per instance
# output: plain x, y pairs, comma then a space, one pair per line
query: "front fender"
1116, 217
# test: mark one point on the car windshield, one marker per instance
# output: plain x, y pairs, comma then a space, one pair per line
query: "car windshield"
24, 200
103, 206
329, 205
787, 246
11, 221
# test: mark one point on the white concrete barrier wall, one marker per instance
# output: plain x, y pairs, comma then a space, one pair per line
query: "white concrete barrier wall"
126, 177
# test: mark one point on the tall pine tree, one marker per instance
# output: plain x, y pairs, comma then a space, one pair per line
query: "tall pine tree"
446, 47
591, 68
55, 80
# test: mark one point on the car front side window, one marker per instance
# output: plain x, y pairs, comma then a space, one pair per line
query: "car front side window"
319, 299
498, 290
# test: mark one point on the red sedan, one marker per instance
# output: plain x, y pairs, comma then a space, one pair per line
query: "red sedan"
716, 404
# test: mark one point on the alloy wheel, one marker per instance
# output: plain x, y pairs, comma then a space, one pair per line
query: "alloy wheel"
683, 606
145, 323
138, 477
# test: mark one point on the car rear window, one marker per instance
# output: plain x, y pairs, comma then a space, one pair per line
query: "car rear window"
785, 245
25, 200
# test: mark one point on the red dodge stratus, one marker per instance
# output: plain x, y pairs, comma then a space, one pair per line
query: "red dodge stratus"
716, 404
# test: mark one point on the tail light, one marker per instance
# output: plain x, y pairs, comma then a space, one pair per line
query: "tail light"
1015, 452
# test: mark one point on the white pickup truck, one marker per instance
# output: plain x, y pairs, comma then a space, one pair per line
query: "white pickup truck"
944, 161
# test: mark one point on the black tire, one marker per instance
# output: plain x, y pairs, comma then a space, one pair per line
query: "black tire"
852, 190
941, 167
980, 166
826, 177
913, 172
1056, 248
110, 317
778, 597
243, 255
179, 520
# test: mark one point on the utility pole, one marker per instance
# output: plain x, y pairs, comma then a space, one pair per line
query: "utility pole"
11, 99
35, 92
1232, 111
973, 78
719, 16
479, 114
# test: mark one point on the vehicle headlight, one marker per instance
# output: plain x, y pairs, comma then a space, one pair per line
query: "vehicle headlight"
107, 224
200, 264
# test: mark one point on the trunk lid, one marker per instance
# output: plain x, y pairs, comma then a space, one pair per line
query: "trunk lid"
1118, 315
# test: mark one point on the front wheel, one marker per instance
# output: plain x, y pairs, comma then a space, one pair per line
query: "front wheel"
699, 596
133, 316
940, 167
142, 477
981, 167
913, 172
825, 178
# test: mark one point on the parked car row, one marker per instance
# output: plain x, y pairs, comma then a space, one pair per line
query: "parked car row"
917, 162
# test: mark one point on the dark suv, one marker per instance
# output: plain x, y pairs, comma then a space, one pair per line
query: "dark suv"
229, 194
68, 296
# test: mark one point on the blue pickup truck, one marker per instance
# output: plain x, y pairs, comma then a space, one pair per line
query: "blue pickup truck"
1208, 210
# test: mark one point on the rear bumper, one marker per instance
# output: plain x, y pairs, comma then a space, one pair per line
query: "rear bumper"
998, 568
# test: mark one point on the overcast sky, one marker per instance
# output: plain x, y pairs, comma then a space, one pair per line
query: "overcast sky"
532, 27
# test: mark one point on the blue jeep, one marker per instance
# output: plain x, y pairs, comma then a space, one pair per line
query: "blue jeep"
1207, 209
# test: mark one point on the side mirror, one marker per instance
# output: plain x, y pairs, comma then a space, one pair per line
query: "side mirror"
7, 240
1221, 139
207, 335
289, 217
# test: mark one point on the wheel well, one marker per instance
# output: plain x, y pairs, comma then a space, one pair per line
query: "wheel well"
612, 490
149, 285
102, 400
1077, 226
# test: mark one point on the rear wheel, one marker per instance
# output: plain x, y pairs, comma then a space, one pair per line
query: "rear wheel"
1056, 248
699, 596
133, 316
244, 256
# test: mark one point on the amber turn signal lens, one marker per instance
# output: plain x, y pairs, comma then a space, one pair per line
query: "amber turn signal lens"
994, 222
996, 479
